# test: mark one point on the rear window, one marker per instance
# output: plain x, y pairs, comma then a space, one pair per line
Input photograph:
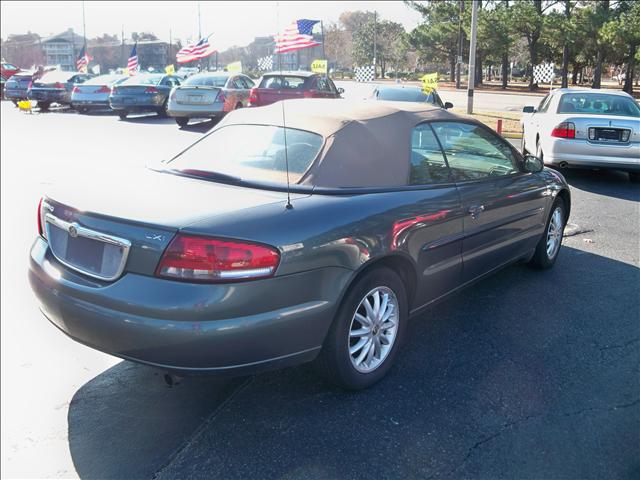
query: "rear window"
143, 80
252, 153
206, 81
404, 95
283, 82
104, 80
598, 104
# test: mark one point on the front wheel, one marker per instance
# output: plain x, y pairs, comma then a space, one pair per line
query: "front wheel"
43, 106
549, 245
367, 332
123, 114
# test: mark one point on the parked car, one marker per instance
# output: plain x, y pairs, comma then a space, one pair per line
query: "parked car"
586, 129
16, 88
270, 243
147, 92
94, 93
55, 87
7, 70
209, 95
185, 72
290, 85
408, 93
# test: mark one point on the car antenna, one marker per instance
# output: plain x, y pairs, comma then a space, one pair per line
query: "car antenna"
288, 206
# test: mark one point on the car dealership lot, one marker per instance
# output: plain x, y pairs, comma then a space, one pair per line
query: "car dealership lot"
527, 374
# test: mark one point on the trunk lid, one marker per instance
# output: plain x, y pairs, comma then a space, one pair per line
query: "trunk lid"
602, 123
197, 95
146, 209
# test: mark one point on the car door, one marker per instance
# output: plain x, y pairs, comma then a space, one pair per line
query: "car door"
432, 232
234, 95
503, 205
534, 122
246, 84
323, 89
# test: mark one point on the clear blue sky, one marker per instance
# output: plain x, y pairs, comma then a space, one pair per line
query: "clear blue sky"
232, 23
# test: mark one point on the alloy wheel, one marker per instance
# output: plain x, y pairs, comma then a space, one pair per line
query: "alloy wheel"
554, 233
373, 329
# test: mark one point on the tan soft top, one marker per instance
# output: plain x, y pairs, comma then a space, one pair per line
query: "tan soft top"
367, 142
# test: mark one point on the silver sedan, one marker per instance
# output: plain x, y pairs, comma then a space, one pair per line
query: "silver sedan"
586, 129
209, 95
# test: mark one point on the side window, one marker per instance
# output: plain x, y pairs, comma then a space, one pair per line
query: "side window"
544, 104
248, 83
235, 83
428, 165
474, 152
323, 86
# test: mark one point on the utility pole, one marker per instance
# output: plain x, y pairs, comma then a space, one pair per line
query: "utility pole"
170, 49
459, 59
472, 56
199, 23
375, 51
122, 47
84, 29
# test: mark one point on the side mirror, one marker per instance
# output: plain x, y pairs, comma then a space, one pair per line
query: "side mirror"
340, 90
448, 105
528, 109
533, 164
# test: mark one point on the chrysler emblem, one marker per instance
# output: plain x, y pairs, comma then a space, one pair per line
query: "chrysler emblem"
73, 231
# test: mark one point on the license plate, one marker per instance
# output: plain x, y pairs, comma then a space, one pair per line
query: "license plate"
195, 98
129, 100
604, 134
85, 253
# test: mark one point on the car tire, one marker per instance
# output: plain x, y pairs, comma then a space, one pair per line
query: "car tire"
182, 121
340, 352
163, 113
123, 115
82, 111
634, 177
547, 252
43, 106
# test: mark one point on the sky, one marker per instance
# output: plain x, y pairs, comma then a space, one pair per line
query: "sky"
230, 23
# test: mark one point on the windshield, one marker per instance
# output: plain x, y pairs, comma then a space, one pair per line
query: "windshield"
143, 80
598, 104
252, 153
105, 80
206, 81
57, 76
404, 95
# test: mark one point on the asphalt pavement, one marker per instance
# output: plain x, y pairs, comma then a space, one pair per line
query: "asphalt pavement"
527, 374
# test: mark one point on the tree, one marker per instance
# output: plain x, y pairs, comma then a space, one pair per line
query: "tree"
602, 16
623, 34
436, 39
528, 19
338, 45
388, 40
496, 35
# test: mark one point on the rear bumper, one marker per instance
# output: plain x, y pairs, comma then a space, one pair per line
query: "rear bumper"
87, 102
583, 154
232, 329
13, 94
195, 111
49, 96
142, 104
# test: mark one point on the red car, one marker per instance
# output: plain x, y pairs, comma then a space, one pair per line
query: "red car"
276, 86
7, 71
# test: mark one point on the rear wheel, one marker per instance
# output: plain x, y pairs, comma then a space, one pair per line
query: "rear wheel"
163, 110
634, 177
367, 332
43, 106
82, 110
549, 245
182, 121
123, 114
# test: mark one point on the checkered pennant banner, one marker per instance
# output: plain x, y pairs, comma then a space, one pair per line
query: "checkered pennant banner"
265, 63
365, 73
543, 73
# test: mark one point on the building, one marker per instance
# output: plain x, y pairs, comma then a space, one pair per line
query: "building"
62, 49
23, 50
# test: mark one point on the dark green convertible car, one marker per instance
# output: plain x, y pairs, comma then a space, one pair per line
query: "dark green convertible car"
264, 245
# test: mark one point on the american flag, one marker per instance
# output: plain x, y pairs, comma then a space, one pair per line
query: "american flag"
83, 60
196, 51
296, 36
132, 65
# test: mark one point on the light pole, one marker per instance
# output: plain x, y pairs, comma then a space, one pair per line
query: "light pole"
472, 56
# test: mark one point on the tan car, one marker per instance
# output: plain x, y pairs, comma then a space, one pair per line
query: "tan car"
209, 95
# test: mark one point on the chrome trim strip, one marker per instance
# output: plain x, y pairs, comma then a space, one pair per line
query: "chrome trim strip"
93, 235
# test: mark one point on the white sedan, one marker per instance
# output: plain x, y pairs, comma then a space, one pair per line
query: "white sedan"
585, 128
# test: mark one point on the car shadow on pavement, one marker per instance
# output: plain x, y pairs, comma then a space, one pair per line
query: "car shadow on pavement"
127, 422
152, 118
611, 183
527, 374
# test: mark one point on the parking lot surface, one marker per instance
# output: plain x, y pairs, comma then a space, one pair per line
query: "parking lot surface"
527, 374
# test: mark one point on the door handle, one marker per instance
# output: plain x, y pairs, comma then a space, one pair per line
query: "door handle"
475, 211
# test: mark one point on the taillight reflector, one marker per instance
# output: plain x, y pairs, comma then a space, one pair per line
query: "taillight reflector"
564, 130
76, 90
58, 85
202, 259
103, 89
253, 95
40, 225
151, 90
308, 94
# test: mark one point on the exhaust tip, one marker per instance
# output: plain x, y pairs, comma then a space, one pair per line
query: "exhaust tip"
563, 164
171, 380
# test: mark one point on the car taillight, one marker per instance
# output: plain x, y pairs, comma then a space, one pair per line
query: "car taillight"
40, 229
103, 89
30, 85
253, 95
308, 94
58, 85
564, 130
43, 207
202, 259
75, 90
151, 90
